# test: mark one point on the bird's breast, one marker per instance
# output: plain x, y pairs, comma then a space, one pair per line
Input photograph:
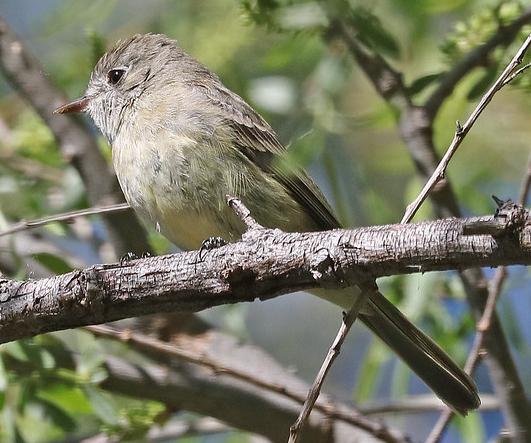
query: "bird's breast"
179, 185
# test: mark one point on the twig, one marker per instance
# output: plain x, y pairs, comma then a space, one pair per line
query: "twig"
415, 404
242, 212
526, 185
476, 351
517, 73
348, 320
63, 217
462, 131
483, 325
152, 346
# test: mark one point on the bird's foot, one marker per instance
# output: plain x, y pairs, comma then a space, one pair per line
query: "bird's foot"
210, 244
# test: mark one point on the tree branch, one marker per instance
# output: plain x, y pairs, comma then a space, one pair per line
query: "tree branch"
263, 266
484, 323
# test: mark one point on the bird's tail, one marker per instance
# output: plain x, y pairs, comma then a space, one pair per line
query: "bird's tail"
420, 353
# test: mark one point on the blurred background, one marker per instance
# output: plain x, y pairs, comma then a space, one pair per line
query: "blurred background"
315, 96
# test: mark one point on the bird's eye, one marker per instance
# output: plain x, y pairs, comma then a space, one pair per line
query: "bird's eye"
114, 75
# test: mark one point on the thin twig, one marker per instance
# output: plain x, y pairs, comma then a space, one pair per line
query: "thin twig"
517, 73
151, 345
67, 217
242, 212
526, 185
414, 404
483, 325
463, 130
348, 320
476, 353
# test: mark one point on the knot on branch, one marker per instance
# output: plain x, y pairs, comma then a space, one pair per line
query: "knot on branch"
85, 291
509, 220
323, 269
240, 280
512, 214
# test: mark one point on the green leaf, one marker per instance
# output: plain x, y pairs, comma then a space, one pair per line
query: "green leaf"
423, 82
67, 397
52, 262
57, 415
372, 32
103, 405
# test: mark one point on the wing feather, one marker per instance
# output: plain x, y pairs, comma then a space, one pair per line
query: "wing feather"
257, 141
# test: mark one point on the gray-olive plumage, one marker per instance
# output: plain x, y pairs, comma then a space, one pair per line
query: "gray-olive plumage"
181, 141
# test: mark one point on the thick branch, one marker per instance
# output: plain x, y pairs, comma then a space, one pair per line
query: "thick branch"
260, 266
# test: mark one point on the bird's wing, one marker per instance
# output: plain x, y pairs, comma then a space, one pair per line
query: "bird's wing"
257, 141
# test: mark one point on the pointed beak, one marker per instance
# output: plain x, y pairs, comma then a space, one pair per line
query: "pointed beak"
79, 105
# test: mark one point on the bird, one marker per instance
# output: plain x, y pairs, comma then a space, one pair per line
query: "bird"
181, 141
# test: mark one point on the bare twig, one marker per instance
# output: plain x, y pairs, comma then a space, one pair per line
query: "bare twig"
483, 325
242, 212
517, 73
66, 217
462, 131
348, 320
476, 351
415, 404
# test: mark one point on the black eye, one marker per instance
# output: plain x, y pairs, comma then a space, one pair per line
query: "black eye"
114, 75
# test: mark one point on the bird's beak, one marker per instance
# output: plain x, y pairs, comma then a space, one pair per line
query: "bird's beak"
79, 105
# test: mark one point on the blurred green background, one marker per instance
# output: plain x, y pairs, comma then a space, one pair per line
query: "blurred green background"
321, 104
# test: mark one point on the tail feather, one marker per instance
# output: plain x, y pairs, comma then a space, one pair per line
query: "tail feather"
420, 353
